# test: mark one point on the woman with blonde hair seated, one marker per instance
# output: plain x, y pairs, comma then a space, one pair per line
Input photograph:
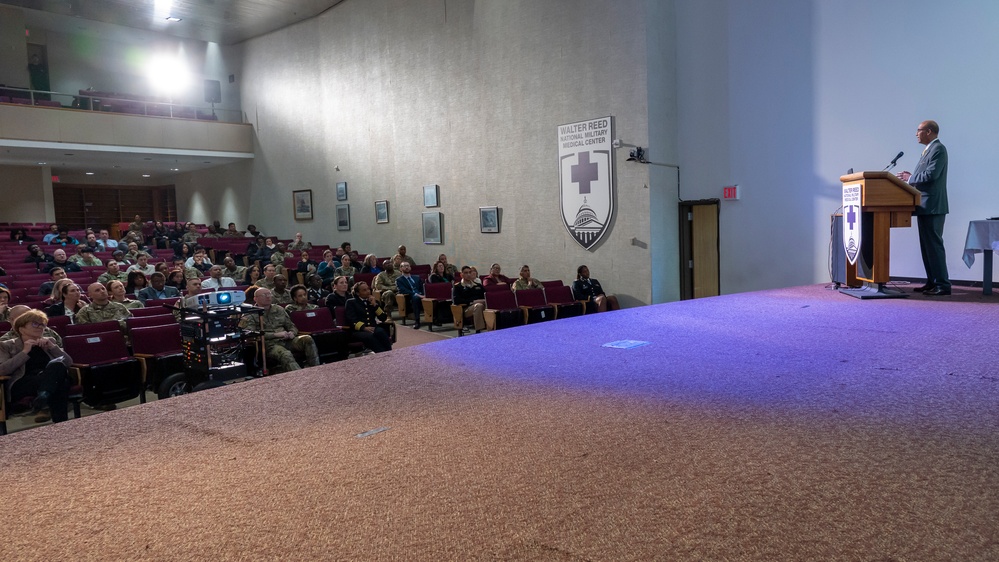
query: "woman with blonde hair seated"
37, 367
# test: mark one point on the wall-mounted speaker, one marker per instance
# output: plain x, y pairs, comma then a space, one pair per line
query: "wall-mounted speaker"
213, 91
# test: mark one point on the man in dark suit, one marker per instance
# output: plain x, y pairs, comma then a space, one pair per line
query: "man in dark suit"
158, 289
412, 287
930, 178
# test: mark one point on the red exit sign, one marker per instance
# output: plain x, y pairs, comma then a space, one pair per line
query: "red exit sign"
730, 192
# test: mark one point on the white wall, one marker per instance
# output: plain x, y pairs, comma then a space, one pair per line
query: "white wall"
467, 95
219, 193
783, 96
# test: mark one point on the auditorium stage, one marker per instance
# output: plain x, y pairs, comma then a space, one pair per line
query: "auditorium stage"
788, 424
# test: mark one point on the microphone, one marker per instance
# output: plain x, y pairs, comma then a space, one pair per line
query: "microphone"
897, 156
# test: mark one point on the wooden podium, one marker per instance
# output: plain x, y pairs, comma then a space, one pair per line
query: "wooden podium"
890, 201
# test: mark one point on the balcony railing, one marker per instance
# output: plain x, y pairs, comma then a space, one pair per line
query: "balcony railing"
87, 100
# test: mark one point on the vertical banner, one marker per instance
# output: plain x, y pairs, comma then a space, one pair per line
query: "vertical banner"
586, 179
851, 221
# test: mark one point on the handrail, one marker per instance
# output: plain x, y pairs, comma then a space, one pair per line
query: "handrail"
121, 103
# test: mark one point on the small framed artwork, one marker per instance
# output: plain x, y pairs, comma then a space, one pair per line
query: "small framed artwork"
431, 196
489, 219
381, 212
343, 217
341, 191
433, 228
303, 204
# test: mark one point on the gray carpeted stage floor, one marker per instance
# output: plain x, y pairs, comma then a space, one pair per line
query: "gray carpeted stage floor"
793, 424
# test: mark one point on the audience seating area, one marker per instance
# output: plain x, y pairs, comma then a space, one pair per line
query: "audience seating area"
113, 365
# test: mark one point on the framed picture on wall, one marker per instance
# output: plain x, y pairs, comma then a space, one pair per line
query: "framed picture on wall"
489, 219
303, 204
343, 217
381, 212
433, 228
341, 191
431, 196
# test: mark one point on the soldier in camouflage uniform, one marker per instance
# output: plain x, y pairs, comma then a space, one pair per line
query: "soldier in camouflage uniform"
280, 292
101, 309
114, 273
280, 334
267, 281
385, 283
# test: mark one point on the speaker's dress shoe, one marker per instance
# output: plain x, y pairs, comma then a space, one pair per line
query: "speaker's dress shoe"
937, 292
923, 288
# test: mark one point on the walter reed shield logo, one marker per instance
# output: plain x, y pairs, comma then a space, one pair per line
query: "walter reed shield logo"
586, 179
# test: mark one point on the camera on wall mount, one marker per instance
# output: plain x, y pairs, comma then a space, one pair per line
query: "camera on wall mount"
637, 154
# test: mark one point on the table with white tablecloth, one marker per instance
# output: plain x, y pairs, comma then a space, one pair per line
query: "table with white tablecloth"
983, 238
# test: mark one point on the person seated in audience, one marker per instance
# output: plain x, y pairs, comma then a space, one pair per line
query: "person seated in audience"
278, 256
92, 243
175, 278
525, 281
306, 265
183, 252
135, 282
136, 226
385, 283
191, 235
316, 291
327, 268
299, 300
256, 251
77, 254
87, 258
157, 289
64, 239
119, 256
412, 287
55, 274
586, 288
495, 277
37, 256
70, 300
405, 258
113, 273
216, 280
267, 281
230, 269
452, 270
280, 292
142, 264
163, 267
198, 250
231, 232
4, 304
251, 231
469, 293
213, 232
59, 259
439, 274
200, 265
101, 309
132, 255
298, 244
370, 265
177, 234
369, 322
16, 311
281, 339
117, 291
252, 276
160, 237
339, 295
130, 237
52, 233
104, 241
193, 288
37, 367
265, 250
346, 269
347, 249
20, 236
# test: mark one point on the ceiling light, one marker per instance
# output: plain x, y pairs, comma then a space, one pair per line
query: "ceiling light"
145, 175
174, 169
90, 173
172, 18
42, 163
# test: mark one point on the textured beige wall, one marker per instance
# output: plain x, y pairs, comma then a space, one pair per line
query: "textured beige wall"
27, 193
13, 49
464, 94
